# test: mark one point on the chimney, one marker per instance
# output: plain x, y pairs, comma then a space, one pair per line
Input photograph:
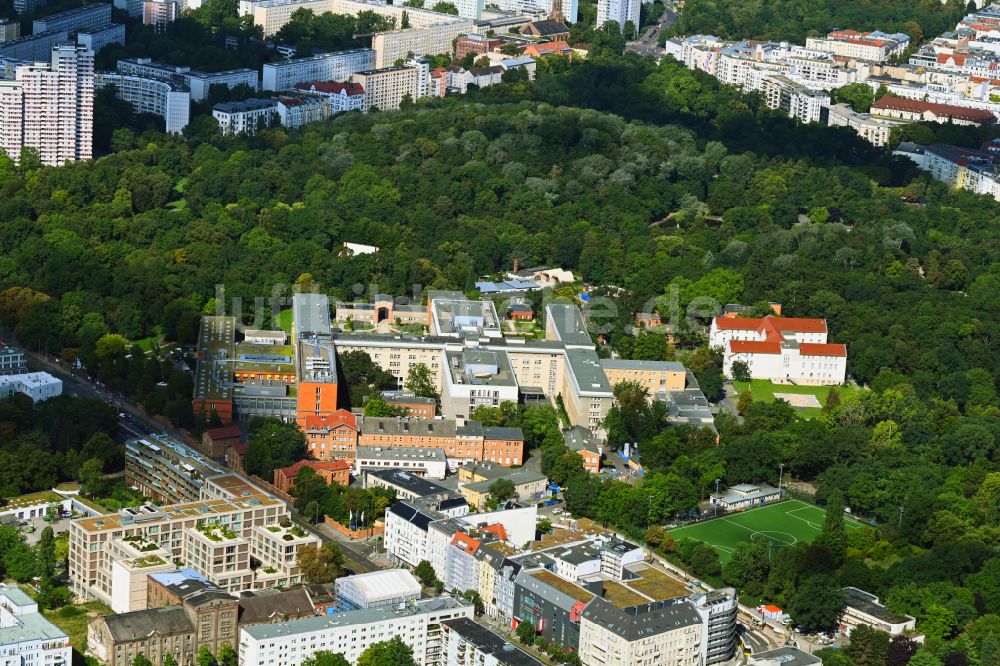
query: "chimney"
515, 264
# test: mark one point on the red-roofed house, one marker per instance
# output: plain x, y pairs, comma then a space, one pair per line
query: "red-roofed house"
917, 111
331, 436
340, 97
332, 471
548, 48
299, 111
785, 350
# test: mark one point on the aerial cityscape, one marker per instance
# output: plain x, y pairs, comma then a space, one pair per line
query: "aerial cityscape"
499, 333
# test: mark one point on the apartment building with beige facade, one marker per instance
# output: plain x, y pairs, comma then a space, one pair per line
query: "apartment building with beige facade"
216, 537
652, 633
654, 376
386, 87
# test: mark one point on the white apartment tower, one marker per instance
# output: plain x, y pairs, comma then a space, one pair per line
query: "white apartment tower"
618, 10
50, 107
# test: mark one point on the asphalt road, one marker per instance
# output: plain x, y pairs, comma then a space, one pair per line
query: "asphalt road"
648, 42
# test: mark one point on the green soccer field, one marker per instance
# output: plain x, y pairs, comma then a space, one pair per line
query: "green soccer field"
783, 524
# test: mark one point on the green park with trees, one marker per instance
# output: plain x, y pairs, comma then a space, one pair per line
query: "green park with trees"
649, 177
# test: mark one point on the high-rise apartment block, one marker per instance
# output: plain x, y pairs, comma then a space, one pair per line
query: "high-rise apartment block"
50, 107
337, 66
96, 15
621, 11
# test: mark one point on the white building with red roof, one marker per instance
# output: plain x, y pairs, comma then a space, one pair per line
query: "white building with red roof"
341, 97
785, 350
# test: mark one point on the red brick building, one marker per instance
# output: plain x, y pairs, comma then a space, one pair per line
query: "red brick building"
331, 436
215, 441
478, 44
332, 471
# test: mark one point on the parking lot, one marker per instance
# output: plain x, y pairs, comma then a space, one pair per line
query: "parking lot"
39, 524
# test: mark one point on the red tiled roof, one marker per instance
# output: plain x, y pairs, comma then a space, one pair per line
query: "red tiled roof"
465, 542
779, 324
754, 346
545, 48
867, 42
325, 465
940, 110
331, 421
959, 58
498, 530
225, 432
291, 101
816, 349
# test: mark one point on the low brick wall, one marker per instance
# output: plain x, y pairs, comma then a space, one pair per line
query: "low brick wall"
377, 530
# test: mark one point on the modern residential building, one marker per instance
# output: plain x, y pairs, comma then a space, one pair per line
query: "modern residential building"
236, 543
49, 106
389, 587
335, 66
620, 11
97, 15
166, 470
95, 39
416, 623
718, 610
781, 349
26, 636
341, 97
422, 462
654, 633
245, 117
167, 99
36, 385
745, 496
469, 642
863, 609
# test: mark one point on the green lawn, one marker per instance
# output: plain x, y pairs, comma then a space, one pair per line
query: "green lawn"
284, 320
783, 524
763, 390
74, 619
